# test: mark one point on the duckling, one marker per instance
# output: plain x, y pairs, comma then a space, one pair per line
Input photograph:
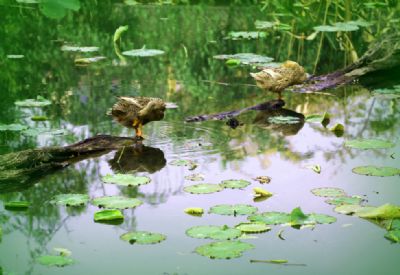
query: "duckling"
278, 79
134, 112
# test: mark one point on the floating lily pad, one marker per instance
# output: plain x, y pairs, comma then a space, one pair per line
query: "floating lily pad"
388, 92
52, 260
12, 127
236, 209
245, 35
196, 211
369, 144
142, 237
62, 251
344, 200
386, 211
259, 192
393, 235
328, 192
271, 218
195, 177
338, 27
264, 24
39, 118
319, 218
116, 202
126, 179
108, 215
16, 205
143, 52
70, 199
15, 56
235, 184
38, 102
246, 58
284, 120
203, 188
263, 179
79, 49
349, 209
323, 119
224, 249
183, 162
33, 132
253, 227
213, 232
88, 60
297, 217
377, 171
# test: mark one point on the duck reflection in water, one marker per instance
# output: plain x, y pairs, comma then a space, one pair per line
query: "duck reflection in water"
138, 158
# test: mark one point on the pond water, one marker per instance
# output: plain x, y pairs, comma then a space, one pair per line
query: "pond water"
198, 84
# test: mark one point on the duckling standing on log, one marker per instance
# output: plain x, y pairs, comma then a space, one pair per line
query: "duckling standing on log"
134, 112
278, 79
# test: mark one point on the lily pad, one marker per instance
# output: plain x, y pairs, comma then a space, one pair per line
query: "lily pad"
183, 162
328, 192
369, 144
57, 9
116, 202
323, 119
63, 251
245, 35
319, 218
253, 227
284, 120
270, 218
264, 24
195, 177
108, 215
259, 192
224, 249
143, 52
142, 237
235, 184
236, 209
341, 27
263, 179
297, 217
345, 200
386, 211
52, 260
349, 209
70, 199
88, 60
246, 58
126, 179
16, 205
38, 102
39, 118
33, 132
388, 92
196, 211
393, 235
213, 232
203, 188
79, 49
15, 56
377, 171
12, 127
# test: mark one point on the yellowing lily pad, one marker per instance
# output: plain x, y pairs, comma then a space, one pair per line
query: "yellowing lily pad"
328, 192
142, 237
386, 211
126, 179
236, 209
263, 179
196, 211
369, 144
253, 227
235, 184
183, 162
195, 177
259, 192
16, 205
70, 199
270, 218
213, 232
116, 202
108, 215
345, 200
203, 188
224, 249
38, 102
377, 171
52, 260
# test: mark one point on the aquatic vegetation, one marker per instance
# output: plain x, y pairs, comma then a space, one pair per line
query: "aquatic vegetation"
118, 32
213, 232
39, 118
126, 179
53, 260
57, 9
245, 35
88, 60
15, 56
15, 127
246, 58
195, 177
32, 132
63, 251
196, 211
260, 192
377, 171
337, 129
270, 218
116, 202
316, 168
344, 200
235, 184
143, 52
390, 93
67, 48
203, 188
38, 102
70, 199
284, 120
253, 227
142, 237
224, 249
108, 215
236, 209
324, 119
369, 144
393, 235
263, 179
328, 192
16, 205
183, 162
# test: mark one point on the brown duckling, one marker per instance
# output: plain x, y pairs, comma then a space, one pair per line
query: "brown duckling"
278, 79
134, 112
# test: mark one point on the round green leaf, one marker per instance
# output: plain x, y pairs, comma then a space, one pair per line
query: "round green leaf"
126, 179
271, 218
224, 249
195, 177
369, 144
235, 184
213, 232
344, 200
348, 209
328, 192
203, 188
236, 209
253, 227
108, 215
142, 237
376, 171
319, 218
70, 199
116, 202
52, 260
143, 52
183, 162
79, 49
